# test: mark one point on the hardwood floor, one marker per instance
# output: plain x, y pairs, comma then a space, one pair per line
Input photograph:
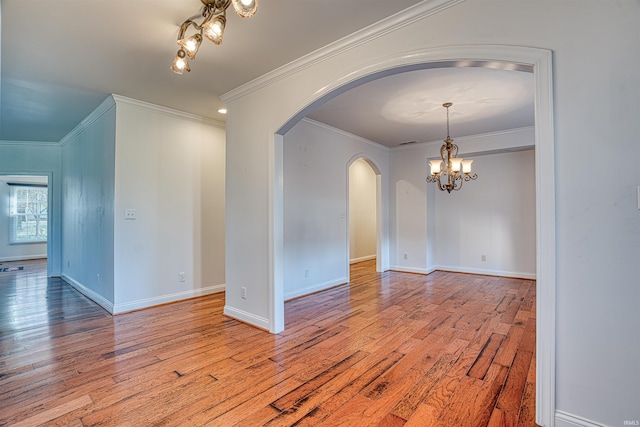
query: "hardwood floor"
390, 349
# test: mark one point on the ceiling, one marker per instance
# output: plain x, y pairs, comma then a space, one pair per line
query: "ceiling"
60, 59
407, 107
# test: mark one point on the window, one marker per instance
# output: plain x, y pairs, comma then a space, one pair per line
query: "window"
28, 209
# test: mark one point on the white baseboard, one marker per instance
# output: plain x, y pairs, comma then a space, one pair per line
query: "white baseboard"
139, 304
514, 274
23, 258
92, 295
404, 269
315, 288
564, 419
164, 299
362, 258
243, 316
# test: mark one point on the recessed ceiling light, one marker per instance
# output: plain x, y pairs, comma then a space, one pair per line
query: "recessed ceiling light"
222, 111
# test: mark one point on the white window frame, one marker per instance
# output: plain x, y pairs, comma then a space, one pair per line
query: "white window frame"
14, 214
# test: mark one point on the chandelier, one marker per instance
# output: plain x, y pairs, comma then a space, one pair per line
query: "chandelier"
214, 13
448, 168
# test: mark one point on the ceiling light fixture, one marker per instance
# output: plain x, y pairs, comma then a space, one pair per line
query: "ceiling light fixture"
449, 166
214, 13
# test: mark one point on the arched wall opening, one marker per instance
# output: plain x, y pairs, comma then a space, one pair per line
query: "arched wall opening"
364, 213
315, 207
535, 60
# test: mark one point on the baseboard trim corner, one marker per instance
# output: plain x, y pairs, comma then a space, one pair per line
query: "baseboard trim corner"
92, 295
120, 308
246, 317
564, 419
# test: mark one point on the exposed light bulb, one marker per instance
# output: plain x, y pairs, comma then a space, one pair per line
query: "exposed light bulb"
180, 63
191, 45
245, 8
214, 28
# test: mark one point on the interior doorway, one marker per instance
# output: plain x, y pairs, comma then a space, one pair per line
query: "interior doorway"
538, 61
363, 216
24, 218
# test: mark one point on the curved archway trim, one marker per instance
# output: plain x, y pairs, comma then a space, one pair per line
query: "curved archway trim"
538, 61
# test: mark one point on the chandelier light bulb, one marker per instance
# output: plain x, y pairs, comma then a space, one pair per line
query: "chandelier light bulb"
214, 28
191, 45
435, 166
180, 63
456, 162
245, 8
466, 166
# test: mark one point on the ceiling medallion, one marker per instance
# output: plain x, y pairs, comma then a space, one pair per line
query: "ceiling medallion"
448, 168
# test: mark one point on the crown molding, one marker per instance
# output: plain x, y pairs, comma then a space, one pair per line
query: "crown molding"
96, 114
9, 143
345, 134
488, 135
365, 35
119, 99
112, 100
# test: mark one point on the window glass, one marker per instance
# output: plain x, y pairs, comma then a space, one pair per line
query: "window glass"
28, 213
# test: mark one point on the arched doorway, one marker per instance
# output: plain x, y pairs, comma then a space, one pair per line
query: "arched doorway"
365, 222
533, 60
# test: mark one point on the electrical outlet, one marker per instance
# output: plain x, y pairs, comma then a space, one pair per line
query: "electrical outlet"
181, 276
484, 258
306, 272
405, 256
244, 292
129, 214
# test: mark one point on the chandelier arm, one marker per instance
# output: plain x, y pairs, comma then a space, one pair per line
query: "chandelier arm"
213, 8
185, 26
212, 5
458, 179
440, 186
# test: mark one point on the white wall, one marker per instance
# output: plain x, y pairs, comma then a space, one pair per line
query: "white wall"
408, 218
316, 160
433, 229
169, 167
88, 155
596, 98
9, 252
37, 158
492, 216
362, 211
